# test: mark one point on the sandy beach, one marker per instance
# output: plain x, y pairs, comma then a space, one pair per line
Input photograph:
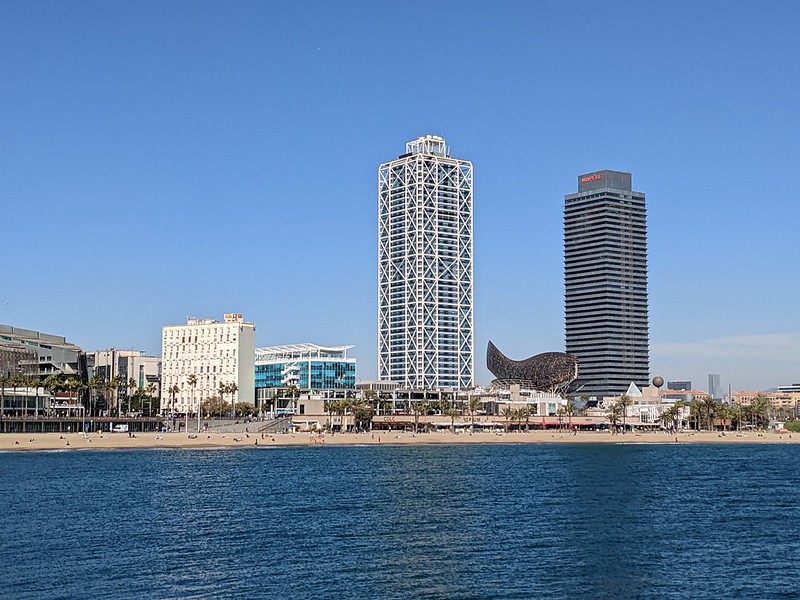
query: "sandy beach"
119, 441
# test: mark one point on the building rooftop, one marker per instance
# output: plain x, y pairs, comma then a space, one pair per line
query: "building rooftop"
300, 351
429, 144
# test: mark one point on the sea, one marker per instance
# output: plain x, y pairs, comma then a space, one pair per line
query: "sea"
463, 521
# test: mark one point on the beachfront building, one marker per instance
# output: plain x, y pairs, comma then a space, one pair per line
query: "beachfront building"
605, 276
27, 359
425, 268
302, 368
46, 354
782, 403
216, 353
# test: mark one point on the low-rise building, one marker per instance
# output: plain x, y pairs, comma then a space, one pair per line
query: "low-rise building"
301, 368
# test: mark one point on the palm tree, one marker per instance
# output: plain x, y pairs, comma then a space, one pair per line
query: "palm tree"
232, 389
613, 414
131, 385
95, 383
760, 410
668, 418
3, 380
569, 408
330, 407
151, 390
52, 384
677, 407
473, 405
710, 407
72, 385
192, 381
14, 381
508, 413
173, 391
624, 402
33, 382
738, 412
452, 413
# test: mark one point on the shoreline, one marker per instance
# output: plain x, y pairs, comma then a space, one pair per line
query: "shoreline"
19, 442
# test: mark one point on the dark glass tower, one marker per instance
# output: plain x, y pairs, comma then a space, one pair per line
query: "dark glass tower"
605, 277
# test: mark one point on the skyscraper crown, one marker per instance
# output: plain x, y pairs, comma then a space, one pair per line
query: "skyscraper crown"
429, 144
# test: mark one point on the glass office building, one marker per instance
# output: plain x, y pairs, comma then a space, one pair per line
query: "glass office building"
425, 268
309, 367
605, 276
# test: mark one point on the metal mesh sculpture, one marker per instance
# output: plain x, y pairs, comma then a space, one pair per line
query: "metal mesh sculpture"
551, 372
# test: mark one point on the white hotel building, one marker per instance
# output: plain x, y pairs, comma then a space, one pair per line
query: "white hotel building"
425, 268
215, 353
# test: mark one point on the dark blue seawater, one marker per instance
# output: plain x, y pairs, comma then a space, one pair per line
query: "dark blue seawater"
504, 521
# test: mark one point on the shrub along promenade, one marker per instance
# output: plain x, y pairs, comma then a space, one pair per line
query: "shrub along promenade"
118, 441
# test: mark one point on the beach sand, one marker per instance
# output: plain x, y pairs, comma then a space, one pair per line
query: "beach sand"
75, 441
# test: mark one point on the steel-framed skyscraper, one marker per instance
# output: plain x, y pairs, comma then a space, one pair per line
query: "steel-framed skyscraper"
425, 268
605, 276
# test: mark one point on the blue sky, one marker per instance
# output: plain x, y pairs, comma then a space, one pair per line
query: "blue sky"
165, 159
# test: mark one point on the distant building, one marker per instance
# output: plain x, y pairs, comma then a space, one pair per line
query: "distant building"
793, 388
35, 356
605, 276
425, 268
783, 404
679, 385
28, 352
144, 370
378, 387
216, 353
308, 367
714, 386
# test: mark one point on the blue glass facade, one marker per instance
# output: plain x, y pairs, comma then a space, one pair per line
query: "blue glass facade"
315, 374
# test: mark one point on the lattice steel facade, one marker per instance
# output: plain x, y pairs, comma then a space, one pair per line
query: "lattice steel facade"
425, 268
605, 275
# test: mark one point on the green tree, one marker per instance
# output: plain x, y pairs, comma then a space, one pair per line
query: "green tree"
173, 391
570, 408
245, 409
507, 413
624, 402
232, 389
33, 383
214, 406
710, 409
192, 381
420, 408
452, 413
3, 381
95, 384
473, 404
131, 387
362, 415
760, 411
614, 414
151, 390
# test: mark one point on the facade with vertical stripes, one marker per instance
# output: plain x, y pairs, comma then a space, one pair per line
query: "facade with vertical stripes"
605, 277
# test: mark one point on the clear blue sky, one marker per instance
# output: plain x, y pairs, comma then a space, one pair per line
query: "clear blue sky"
165, 159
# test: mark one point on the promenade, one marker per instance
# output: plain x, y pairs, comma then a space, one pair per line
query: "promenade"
121, 441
